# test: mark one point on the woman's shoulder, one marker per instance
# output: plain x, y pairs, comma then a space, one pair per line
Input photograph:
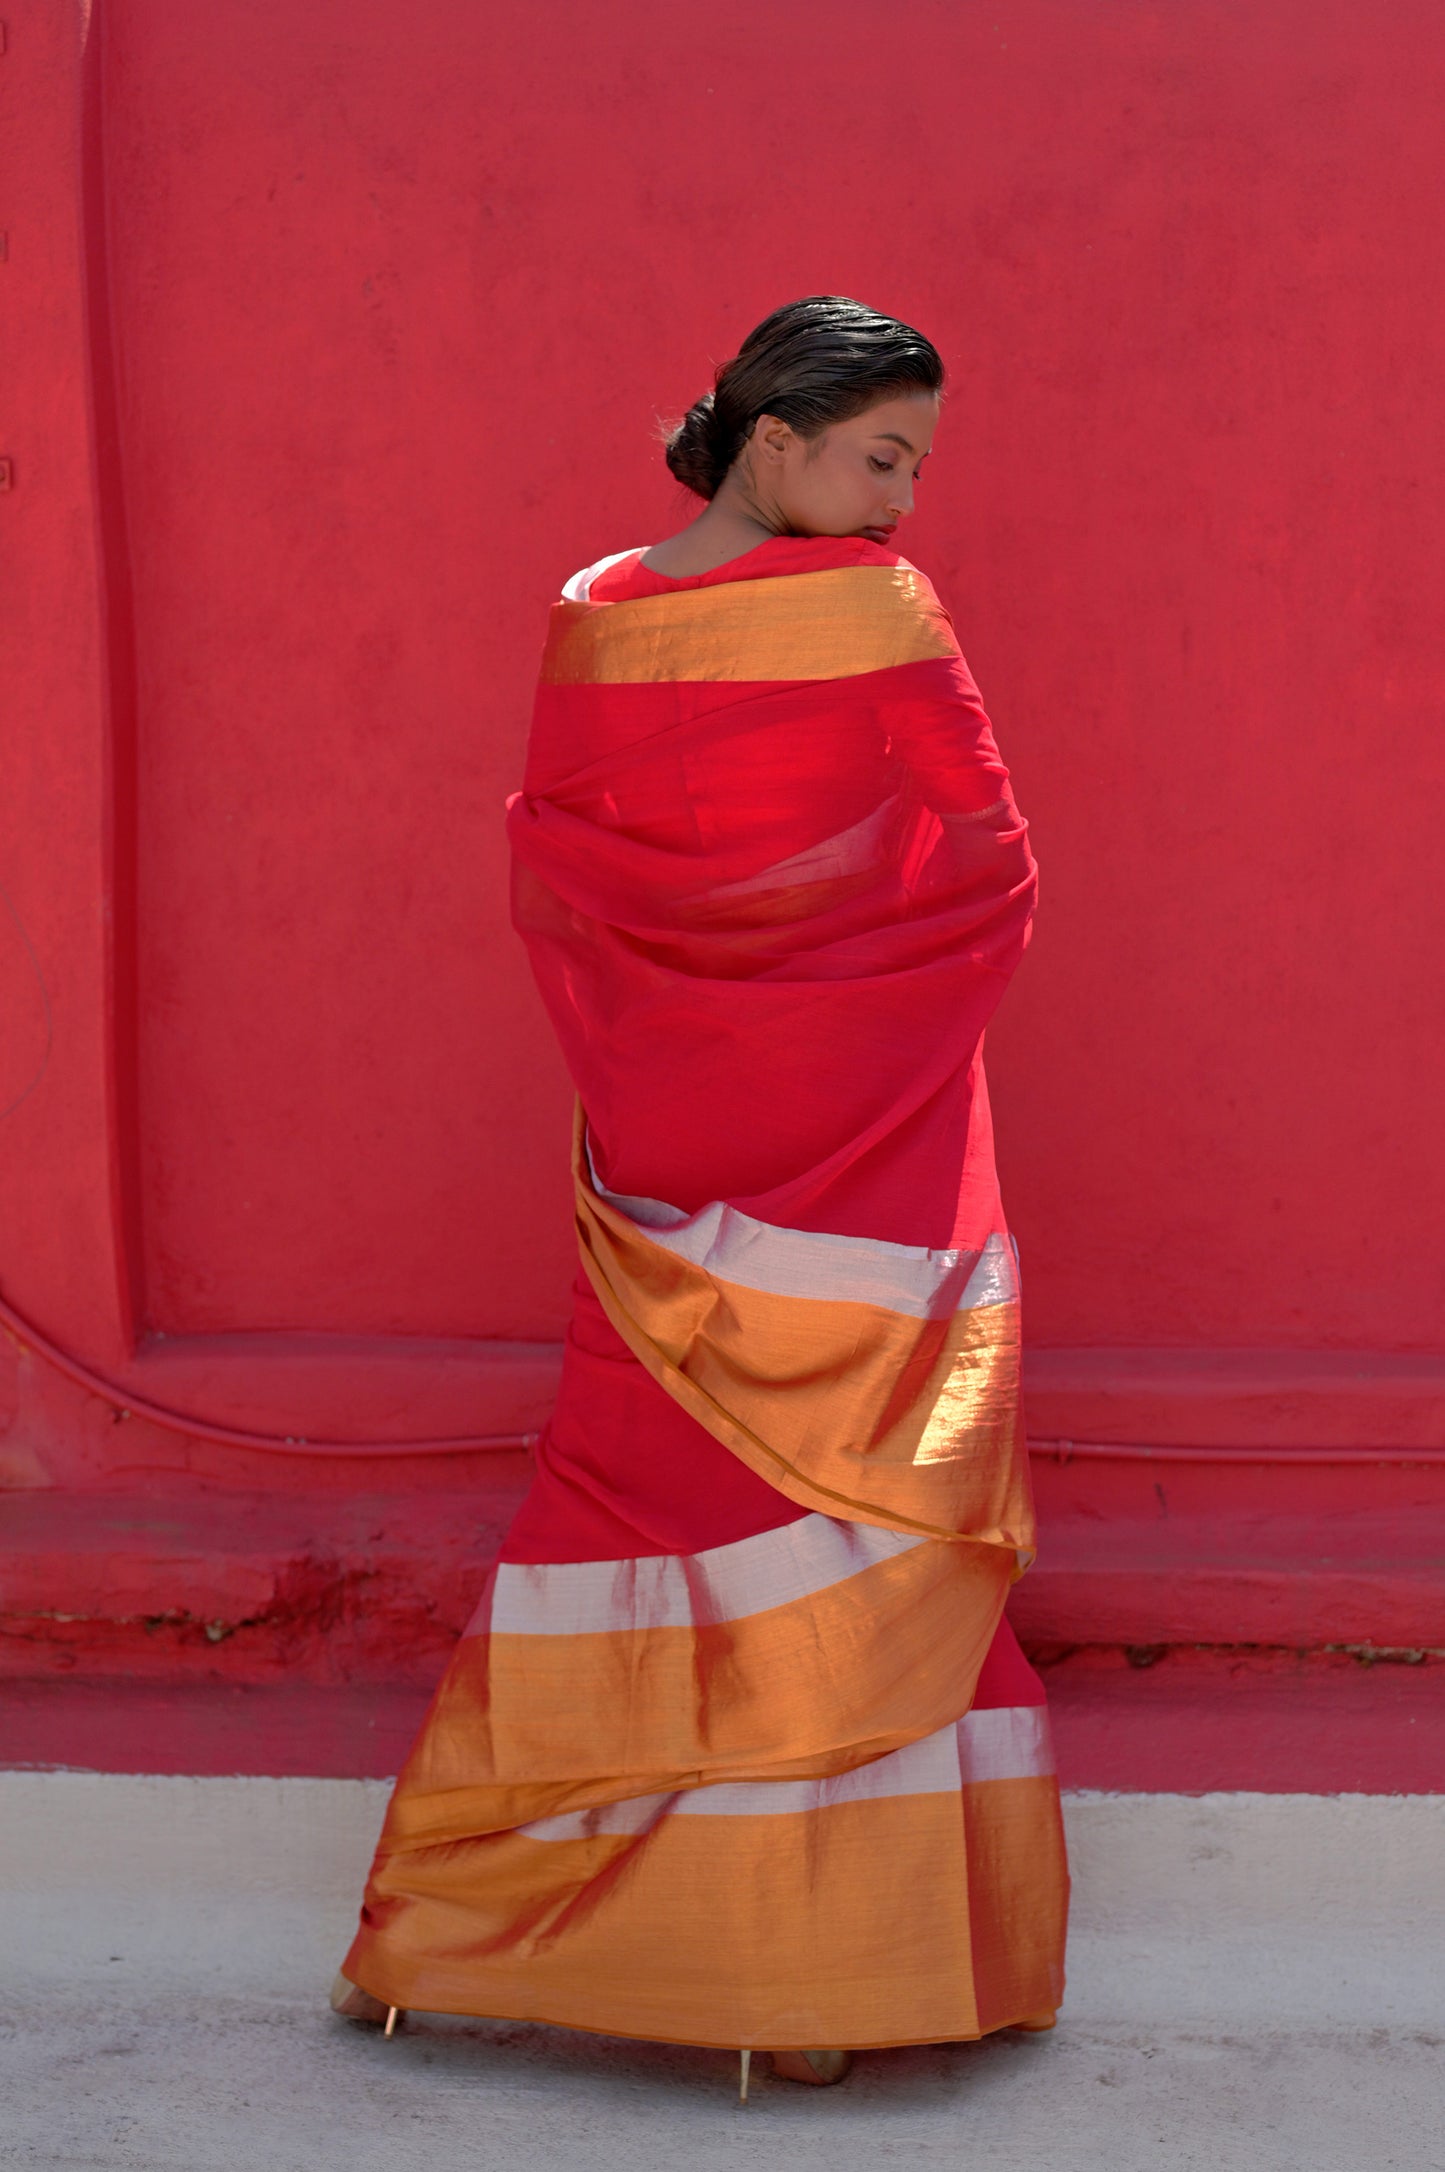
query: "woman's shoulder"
621, 576
579, 586
827, 554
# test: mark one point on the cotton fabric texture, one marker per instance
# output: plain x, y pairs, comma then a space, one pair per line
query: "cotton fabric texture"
739, 1748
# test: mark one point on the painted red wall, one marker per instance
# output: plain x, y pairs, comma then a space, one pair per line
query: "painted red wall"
336, 340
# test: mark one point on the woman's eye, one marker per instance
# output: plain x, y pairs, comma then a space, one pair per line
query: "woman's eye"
884, 467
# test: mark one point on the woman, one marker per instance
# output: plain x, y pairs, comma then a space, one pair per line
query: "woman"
740, 1749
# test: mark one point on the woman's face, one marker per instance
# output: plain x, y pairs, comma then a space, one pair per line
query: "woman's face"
855, 477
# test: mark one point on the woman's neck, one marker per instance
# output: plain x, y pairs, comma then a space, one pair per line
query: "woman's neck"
728, 525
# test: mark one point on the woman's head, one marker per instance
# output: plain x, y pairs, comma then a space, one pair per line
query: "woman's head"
819, 423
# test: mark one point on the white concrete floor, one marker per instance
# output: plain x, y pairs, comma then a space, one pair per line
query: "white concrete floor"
1257, 1984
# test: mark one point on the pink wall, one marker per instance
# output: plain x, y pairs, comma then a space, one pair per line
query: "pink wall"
338, 337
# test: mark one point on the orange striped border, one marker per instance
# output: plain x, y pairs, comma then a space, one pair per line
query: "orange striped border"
905, 1919
827, 625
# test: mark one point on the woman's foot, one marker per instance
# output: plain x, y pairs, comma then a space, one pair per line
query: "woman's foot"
349, 1999
819, 2068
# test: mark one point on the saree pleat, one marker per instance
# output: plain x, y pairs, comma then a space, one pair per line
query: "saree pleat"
739, 1748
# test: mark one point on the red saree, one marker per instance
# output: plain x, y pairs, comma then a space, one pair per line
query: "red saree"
739, 1749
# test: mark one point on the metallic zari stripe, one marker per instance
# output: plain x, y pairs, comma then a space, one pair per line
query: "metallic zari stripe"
676, 1591
908, 1278
828, 625
1009, 1742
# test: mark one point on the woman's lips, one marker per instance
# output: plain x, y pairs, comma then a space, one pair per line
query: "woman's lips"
876, 535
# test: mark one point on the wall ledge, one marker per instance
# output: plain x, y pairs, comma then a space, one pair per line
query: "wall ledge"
1226, 1398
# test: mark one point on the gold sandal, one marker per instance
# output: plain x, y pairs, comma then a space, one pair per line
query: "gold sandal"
349, 1999
820, 2069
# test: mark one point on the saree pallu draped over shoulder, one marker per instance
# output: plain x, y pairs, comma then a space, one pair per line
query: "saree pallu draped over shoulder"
739, 1748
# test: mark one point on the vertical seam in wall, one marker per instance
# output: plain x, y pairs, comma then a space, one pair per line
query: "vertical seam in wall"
118, 691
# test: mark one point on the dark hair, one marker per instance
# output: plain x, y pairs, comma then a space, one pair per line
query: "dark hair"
810, 363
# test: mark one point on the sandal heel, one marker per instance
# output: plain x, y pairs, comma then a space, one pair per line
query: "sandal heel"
353, 2004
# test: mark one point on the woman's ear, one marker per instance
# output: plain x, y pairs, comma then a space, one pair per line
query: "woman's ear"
770, 438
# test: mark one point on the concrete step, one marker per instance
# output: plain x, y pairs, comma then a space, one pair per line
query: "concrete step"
236, 1586
1373, 1578
1174, 1720
222, 1632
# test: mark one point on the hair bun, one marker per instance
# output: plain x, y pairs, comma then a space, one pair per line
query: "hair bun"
699, 451
811, 363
